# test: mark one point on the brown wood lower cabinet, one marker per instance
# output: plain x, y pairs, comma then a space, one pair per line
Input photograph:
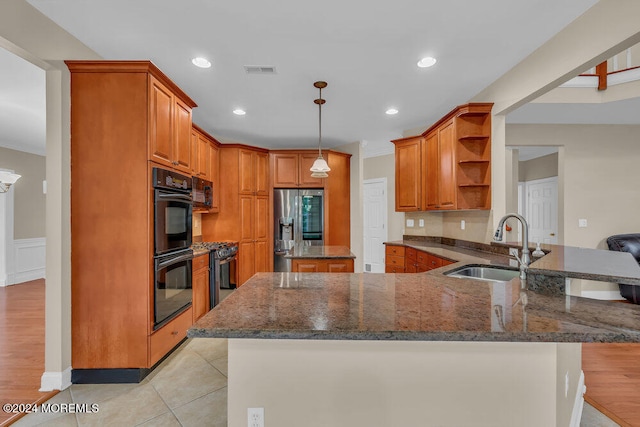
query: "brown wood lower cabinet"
200, 286
400, 259
322, 265
394, 259
170, 335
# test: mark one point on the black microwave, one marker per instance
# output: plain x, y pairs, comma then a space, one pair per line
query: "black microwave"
202, 193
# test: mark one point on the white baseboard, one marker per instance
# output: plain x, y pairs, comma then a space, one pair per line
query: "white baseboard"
56, 380
29, 260
578, 405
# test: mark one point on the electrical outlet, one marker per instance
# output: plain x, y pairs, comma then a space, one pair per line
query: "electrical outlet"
513, 251
421, 223
255, 417
462, 224
410, 223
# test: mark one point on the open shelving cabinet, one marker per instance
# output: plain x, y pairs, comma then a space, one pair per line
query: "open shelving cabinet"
448, 166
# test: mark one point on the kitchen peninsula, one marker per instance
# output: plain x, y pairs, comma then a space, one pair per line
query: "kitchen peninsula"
405, 349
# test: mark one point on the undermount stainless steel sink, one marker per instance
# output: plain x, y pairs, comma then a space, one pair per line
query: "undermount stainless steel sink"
485, 272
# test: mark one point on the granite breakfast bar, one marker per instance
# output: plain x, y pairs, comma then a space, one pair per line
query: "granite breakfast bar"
408, 349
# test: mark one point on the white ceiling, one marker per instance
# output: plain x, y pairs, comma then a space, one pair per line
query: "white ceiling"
366, 51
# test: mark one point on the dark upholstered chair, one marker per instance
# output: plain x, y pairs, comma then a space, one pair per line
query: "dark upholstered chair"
627, 243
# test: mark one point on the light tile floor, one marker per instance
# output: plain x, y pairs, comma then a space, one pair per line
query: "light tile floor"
189, 388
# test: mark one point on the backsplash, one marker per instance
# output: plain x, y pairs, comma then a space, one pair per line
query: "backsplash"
477, 225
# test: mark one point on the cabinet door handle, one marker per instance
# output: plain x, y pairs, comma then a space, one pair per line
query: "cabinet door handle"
174, 333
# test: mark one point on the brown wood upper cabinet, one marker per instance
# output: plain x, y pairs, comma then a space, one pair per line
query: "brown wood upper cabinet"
205, 150
409, 174
254, 172
447, 167
291, 169
169, 127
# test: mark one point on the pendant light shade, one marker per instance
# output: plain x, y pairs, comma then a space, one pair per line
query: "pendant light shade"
320, 167
7, 179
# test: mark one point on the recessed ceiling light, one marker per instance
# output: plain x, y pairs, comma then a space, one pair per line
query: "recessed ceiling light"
201, 62
239, 112
391, 111
427, 62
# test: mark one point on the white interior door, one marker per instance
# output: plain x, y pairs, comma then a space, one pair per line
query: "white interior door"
542, 210
375, 224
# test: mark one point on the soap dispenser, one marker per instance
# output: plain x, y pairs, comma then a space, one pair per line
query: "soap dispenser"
538, 252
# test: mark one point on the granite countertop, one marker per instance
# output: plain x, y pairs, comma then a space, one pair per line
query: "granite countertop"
320, 252
433, 307
424, 306
199, 252
564, 261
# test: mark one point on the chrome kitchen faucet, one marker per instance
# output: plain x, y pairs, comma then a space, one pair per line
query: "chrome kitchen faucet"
525, 259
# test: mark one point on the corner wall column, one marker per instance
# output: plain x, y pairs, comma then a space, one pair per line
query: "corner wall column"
57, 375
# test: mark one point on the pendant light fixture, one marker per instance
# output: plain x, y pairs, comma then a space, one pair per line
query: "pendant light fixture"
7, 179
320, 166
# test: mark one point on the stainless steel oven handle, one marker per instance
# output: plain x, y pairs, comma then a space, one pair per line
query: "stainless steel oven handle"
172, 261
174, 196
227, 260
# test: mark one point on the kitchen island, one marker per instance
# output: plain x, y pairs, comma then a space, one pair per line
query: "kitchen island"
321, 259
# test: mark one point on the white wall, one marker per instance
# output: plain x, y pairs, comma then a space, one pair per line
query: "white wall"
600, 166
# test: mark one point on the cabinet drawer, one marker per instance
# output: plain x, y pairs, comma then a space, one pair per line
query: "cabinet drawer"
394, 250
395, 260
434, 261
410, 268
340, 266
170, 335
201, 261
421, 267
411, 254
393, 269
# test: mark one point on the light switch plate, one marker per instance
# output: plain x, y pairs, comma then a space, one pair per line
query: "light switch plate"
582, 223
410, 223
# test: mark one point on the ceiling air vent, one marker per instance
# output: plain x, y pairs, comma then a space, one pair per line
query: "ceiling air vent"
260, 69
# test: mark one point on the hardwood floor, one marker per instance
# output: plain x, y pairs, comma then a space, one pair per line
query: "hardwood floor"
612, 377
21, 344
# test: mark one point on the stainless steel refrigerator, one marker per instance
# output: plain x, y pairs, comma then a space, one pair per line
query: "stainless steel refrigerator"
299, 220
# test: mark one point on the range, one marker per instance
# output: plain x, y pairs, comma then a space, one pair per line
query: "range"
222, 268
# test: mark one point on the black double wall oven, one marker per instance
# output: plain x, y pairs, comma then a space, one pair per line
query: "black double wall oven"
173, 256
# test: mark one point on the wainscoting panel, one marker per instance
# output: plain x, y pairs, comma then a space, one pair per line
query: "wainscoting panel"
29, 256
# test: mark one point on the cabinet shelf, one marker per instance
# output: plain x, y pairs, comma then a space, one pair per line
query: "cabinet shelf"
473, 137
462, 162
